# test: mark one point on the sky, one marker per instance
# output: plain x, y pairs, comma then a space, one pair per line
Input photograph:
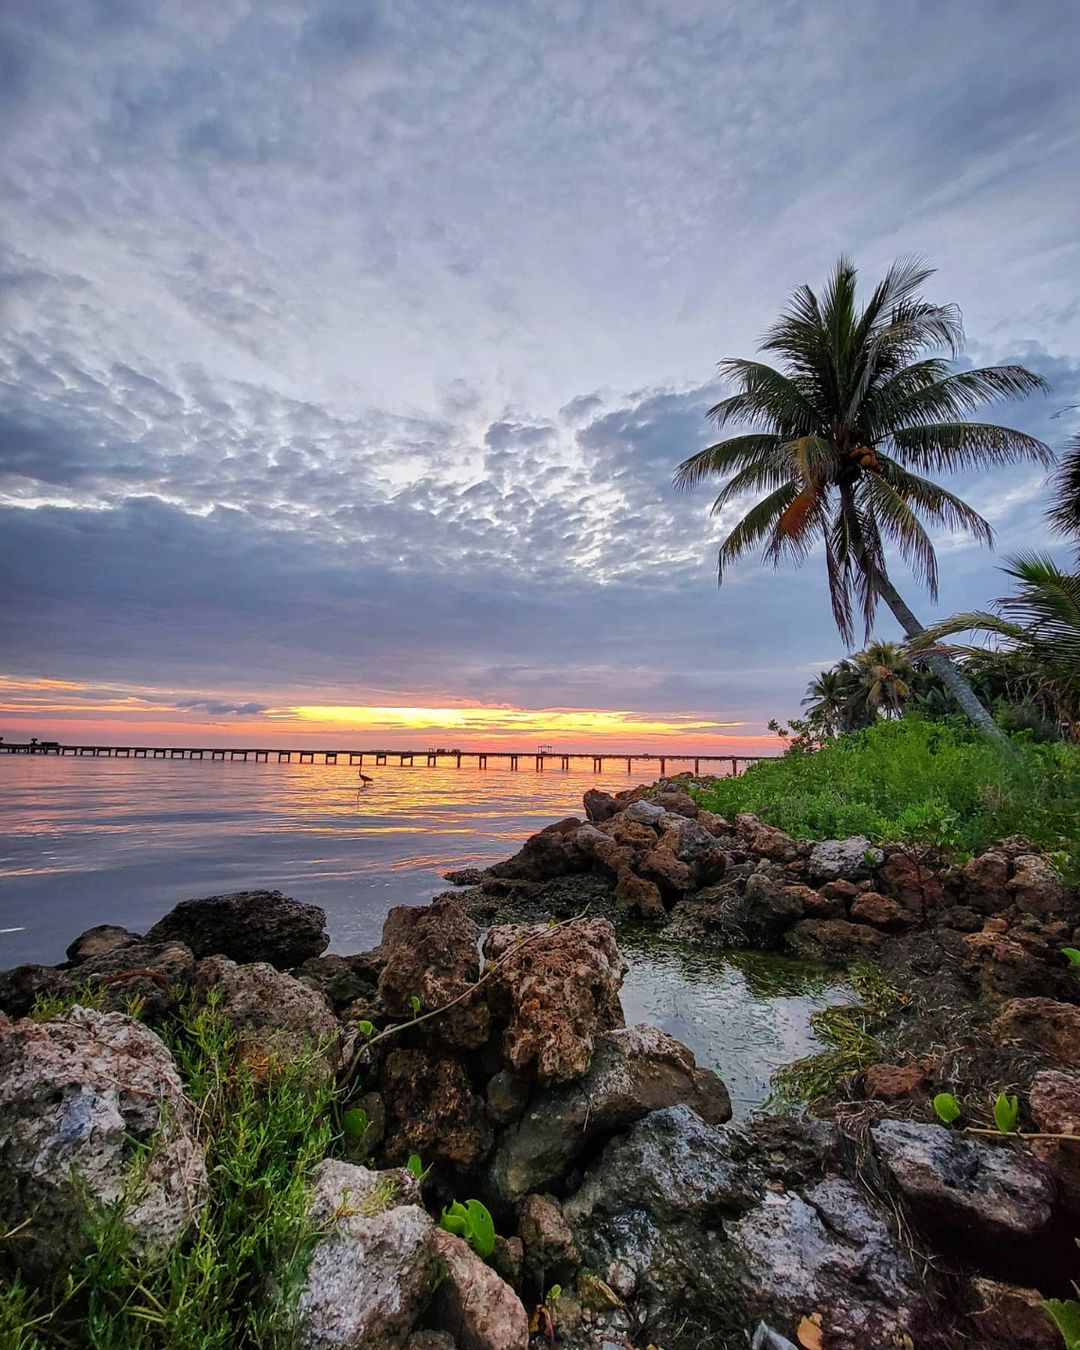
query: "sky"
347, 349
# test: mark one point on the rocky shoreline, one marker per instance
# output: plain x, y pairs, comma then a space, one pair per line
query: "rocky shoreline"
480, 1053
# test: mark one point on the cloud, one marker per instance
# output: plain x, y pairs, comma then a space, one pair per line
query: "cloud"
217, 708
356, 343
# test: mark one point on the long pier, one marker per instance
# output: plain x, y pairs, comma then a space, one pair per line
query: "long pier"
431, 758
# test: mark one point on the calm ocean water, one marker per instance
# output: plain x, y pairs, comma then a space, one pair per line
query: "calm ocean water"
86, 841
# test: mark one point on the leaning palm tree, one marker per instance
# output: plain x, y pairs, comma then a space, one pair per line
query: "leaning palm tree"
838, 438
1064, 510
1039, 626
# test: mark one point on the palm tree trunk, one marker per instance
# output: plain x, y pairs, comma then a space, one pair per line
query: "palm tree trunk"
942, 665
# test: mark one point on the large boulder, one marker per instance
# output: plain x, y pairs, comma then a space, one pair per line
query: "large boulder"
833, 940
826, 1251
157, 973
433, 1109
341, 979
764, 911
766, 841
682, 1220
551, 853
984, 1191
1041, 1024
984, 879
278, 1019
474, 1304
22, 986
77, 1094
375, 1263
1036, 886
432, 955
247, 926
599, 805
634, 1070
556, 990
849, 859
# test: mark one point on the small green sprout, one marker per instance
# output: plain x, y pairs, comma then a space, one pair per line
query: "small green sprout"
1071, 955
474, 1223
1006, 1113
415, 1165
414, 1003
366, 1029
946, 1108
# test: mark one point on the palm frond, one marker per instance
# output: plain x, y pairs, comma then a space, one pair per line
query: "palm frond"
727, 456
1064, 513
757, 522
966, 445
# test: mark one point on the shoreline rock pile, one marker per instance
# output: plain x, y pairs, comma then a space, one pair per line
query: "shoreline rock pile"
605, 1154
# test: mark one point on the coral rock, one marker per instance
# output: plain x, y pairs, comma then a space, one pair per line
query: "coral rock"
555, 994
74, 1093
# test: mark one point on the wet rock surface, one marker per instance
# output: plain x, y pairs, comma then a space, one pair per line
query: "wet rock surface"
633, 1071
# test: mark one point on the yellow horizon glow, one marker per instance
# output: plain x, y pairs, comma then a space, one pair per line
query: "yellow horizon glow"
551, 721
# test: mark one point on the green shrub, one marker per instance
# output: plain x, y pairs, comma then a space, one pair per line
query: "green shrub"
919, 781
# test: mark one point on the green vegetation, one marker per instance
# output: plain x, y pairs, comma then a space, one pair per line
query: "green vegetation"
234, 1279
865, 402
848, 1032
916, 781
1039, 625
1006, 1112
946, 1108
474, 1223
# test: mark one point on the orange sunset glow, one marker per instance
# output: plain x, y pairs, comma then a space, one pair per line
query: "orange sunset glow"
76, 713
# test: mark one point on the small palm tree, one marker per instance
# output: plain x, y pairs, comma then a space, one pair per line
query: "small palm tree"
1064, 510
1040, 626
882, 686
839, 437
827, 698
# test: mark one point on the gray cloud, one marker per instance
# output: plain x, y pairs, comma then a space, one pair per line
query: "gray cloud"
357, 342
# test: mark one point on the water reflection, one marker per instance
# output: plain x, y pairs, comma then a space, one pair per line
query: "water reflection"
743, 1014
93, 841
121, 841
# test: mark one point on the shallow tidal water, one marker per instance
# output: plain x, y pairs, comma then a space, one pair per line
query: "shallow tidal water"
86, 841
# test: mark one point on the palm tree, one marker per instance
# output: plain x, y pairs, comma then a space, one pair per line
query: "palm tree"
1040, 624
1064, 511
881, 686
827, 698
838, 436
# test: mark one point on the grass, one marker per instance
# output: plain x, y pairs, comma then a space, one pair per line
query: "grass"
916, 781
234, 1280
848, 1032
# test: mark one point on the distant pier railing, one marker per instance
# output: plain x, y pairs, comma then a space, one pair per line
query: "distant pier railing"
431, 758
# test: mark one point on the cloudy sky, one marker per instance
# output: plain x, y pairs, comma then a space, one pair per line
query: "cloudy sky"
347, 348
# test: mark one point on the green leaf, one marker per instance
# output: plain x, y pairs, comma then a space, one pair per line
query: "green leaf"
1066, 1315
946, 1107
1072, 954
482, 1226
354, 1122
474, 1223
366, 1029
414, 1003
416, 1166
1006, 1113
